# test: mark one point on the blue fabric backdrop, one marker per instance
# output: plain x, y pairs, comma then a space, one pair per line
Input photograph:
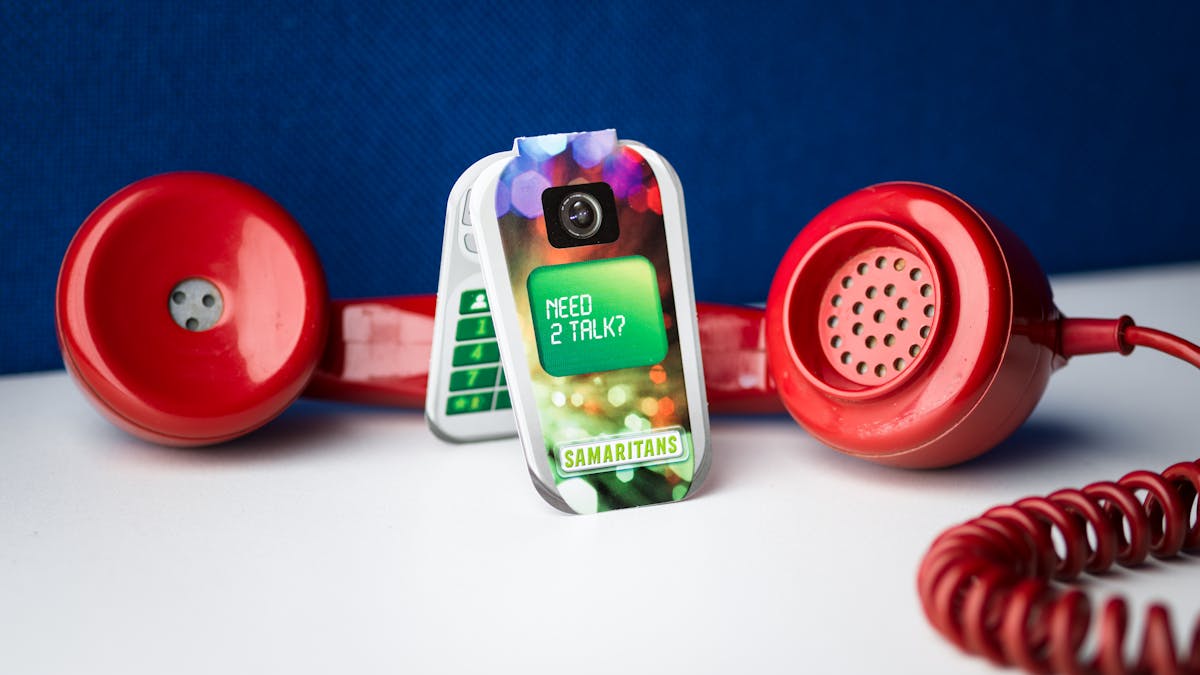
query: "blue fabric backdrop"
1075, 123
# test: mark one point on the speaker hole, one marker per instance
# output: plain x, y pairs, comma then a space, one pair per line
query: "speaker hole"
832, 322
837, 301
872, 292
889, 290
871, 341
924, 331
857, 329
899, 264
914, 350
902, 303
880, 370
902, 324
915, 275
862, 268
846, 358
881, 262
889, 339
836, 341
879, 316
858, 308
861, 368
194, 304
847, 282
928, 310
898, 364
926, 291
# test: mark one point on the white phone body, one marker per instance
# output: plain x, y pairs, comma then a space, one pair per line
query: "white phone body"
482, 416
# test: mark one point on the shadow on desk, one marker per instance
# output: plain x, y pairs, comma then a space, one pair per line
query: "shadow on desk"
305, 428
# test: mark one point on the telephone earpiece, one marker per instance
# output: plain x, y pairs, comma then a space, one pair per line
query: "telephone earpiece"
192, 309
907, 328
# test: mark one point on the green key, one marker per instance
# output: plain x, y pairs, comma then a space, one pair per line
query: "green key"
502, 400
469, 403
475, 328
472, 302
472, 378
480, 352
502, 380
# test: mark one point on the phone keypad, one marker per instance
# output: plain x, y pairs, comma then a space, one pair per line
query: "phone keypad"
477, 382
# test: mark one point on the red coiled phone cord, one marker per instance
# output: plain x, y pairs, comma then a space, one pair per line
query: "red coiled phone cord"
986, 584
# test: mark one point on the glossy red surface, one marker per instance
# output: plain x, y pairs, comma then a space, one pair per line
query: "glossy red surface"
378, 352
155, 378
986, 585
964, 371
733, 345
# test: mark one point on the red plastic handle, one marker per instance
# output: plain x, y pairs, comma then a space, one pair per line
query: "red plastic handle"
378, 353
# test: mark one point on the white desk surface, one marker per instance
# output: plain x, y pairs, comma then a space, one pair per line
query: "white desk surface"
350, 540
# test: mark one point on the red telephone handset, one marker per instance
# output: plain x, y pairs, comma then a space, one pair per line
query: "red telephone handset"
903, 326
192, 309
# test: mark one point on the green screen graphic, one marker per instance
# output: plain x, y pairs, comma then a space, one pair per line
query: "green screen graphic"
598, 315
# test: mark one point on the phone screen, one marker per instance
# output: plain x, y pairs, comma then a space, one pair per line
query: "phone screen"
597, 315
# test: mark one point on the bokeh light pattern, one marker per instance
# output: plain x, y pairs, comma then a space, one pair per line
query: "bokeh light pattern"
605, 404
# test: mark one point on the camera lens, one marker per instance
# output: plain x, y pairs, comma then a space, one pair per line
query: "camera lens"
580, 215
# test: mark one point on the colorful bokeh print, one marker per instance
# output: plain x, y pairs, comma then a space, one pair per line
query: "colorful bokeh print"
614, 436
